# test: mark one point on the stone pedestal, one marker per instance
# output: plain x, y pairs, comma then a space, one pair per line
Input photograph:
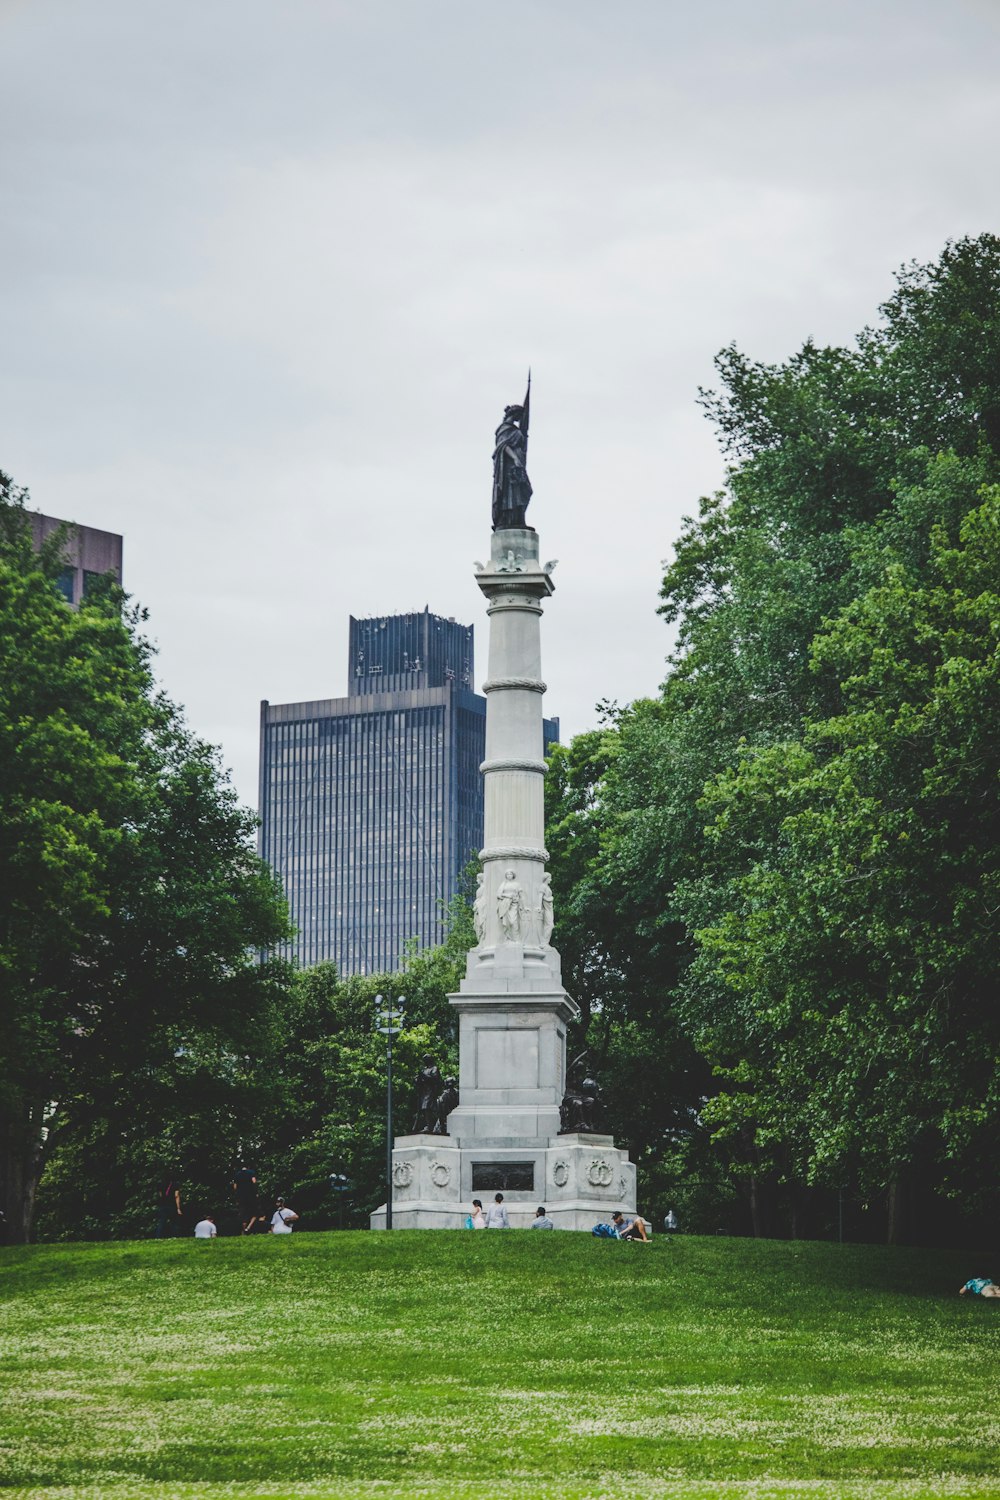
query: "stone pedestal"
580, 1179
513, 1011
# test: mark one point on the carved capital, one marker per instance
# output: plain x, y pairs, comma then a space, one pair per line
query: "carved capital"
523, 684
515, 851
513, 765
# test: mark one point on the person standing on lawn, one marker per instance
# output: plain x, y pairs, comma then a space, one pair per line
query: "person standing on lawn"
496, 1214
247, 1195
168, 1206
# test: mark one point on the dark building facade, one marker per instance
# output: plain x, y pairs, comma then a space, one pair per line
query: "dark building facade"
89, 554
372, 805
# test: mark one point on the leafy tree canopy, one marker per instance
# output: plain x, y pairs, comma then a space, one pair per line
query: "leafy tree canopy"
132, 904
786, 862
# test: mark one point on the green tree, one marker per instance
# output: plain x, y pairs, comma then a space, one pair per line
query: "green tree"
620, 941
850, 466
131, 900
845, 463
855, 933
325, 1096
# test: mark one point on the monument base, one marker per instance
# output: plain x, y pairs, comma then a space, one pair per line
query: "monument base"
581, 1179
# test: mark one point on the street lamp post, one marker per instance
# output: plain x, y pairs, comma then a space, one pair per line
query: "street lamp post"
340, 1184
389, 1020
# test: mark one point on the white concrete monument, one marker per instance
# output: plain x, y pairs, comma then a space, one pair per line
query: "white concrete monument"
504, 1134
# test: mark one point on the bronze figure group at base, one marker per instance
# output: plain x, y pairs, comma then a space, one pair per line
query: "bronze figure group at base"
581, 1105
436, 1098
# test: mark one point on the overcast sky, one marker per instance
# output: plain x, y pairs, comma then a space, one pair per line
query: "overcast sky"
269, 273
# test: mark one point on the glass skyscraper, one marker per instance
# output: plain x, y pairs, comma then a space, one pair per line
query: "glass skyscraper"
372, 805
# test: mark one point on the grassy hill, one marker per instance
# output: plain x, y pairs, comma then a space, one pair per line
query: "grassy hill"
494, 1364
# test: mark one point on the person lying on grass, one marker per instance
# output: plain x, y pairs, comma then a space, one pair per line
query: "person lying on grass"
980, 1286
629, 1229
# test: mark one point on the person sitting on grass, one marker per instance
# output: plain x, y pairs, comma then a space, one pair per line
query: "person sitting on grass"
205, 1228
541, 1220
630, 1229
283, 1218
980, 1286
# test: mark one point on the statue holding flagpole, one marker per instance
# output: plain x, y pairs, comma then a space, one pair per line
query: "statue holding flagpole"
511, 485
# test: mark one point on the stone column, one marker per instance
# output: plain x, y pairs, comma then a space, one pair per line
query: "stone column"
512, 1009
513, 939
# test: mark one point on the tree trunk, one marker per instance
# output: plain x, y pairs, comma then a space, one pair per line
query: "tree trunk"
896, 1206
761, 1207
20, 1169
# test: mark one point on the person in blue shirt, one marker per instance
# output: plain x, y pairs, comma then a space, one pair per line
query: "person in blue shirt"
980, 1286
630, 1229
541, 1220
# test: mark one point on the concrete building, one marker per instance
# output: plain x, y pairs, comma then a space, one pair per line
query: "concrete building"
89, 554
372, 805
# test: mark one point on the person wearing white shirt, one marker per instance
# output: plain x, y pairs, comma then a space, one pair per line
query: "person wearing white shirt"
496, 1214
283, 1218
205, 1228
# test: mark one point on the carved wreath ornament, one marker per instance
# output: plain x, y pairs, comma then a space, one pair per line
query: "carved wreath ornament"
600, 1173
560, 1173
440, 1174
402, 1174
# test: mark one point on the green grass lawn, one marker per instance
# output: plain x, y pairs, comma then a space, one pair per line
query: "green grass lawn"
458, 1364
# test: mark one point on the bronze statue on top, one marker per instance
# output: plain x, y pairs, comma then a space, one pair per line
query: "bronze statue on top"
511, 485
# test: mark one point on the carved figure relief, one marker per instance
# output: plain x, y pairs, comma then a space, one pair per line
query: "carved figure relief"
402, 1174
510, 906
546, 918
560, 1173
479, 909
623, 1187
600, 1173
511, 564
